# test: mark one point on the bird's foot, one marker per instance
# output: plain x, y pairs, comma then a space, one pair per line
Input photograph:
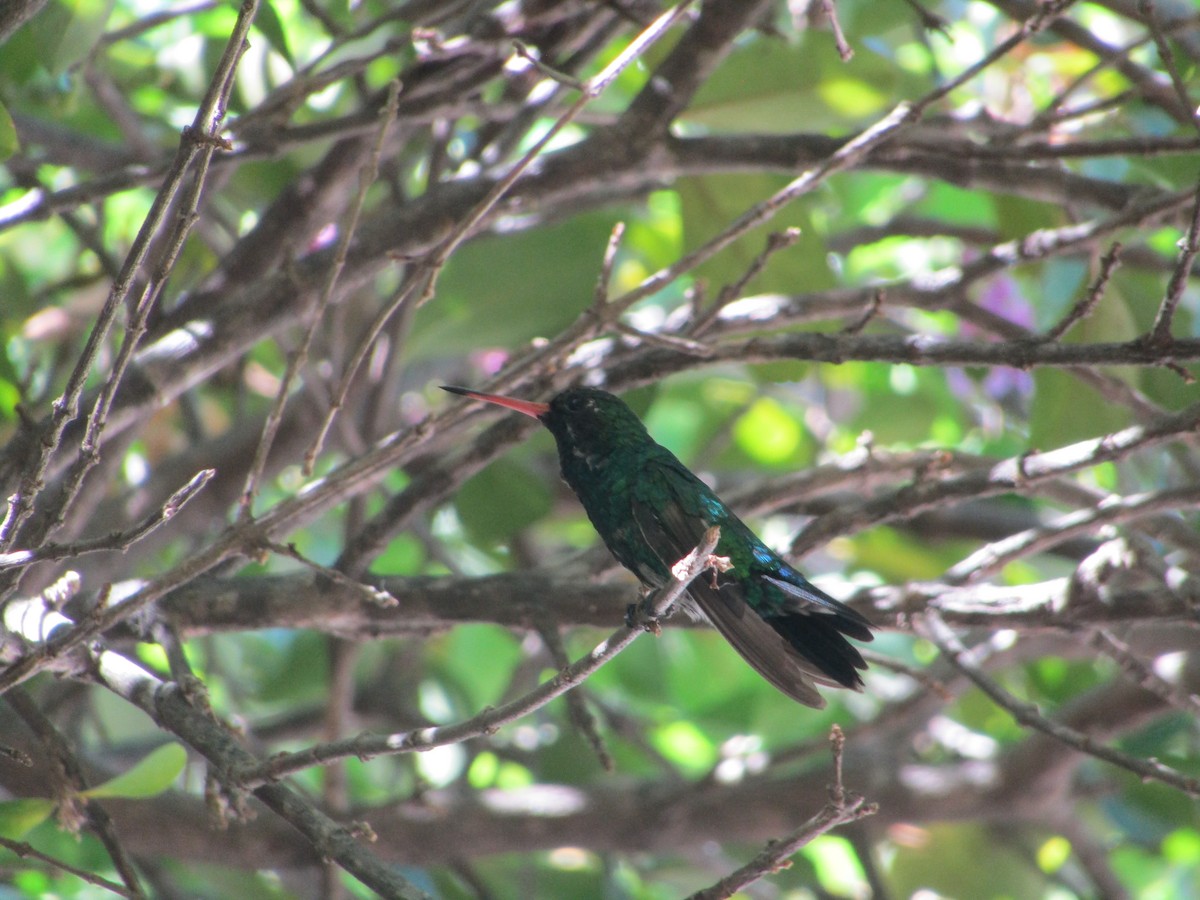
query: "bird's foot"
642, 615
717, 565
713, 567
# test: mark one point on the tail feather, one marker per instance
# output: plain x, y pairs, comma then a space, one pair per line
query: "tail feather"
815, 602
795, 652
819, 640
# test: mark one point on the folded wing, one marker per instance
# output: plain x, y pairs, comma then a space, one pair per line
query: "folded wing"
788, 630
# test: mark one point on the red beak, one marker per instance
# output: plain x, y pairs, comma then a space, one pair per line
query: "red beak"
536, 410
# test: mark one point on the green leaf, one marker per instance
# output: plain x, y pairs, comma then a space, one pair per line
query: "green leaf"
481, 659
898, 557
19, 817
709, 203
767, 87
501, 500
838, 867
1018, 216
494, 280
947, 860
66, 32
9, 144
295, 669
777, 87
1064, 408
10, 396
768, 434
685, 745
404, 555
267, 21
955, 205
151, 776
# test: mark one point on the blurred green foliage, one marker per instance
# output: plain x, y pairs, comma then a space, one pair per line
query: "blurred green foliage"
681, 707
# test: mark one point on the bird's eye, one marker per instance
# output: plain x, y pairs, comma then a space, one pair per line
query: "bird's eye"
575, 404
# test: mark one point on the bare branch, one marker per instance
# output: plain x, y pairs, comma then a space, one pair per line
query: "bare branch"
1027, 714
1082, 309
24, 849
117, 540
196, 147
1189, 247
841, 809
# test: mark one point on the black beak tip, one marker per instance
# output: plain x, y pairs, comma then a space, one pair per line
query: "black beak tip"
455, 390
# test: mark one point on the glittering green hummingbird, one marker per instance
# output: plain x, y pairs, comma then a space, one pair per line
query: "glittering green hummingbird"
652, 511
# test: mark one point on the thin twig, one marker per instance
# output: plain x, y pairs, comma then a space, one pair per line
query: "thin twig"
1083, 308
68, 793
839, 37
776, 241
600, 296
1015, 473
367, 177
843, 807
1109, 644
918, 674
167, 704
591, 89
577, 708
930, 21
23, 850
553, 74
374, 596
989, 559
850, 153
1167, 58
1189, 247
1028, 715
422, 282
676, 342
196, 140
347, 228
871, 312
117, 540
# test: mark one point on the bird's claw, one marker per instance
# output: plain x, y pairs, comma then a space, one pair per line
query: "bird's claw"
713, 567
642, 615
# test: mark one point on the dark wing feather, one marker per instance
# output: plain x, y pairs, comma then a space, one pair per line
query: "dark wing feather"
665, 509
806, 598
764, 648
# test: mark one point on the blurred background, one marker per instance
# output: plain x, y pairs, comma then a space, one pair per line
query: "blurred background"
940, 355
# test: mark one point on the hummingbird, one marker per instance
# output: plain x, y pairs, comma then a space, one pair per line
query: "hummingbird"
651, 511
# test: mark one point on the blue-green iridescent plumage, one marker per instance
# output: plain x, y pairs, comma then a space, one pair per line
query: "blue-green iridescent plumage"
651, 511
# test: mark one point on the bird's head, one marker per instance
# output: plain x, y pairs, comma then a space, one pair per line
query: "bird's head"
583, 420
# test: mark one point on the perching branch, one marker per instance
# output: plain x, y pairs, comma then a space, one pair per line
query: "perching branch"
368, 745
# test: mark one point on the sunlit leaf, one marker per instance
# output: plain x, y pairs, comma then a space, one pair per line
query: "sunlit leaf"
268, 22
768, 434
837, 865
19, 817
687, 746
149, 777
